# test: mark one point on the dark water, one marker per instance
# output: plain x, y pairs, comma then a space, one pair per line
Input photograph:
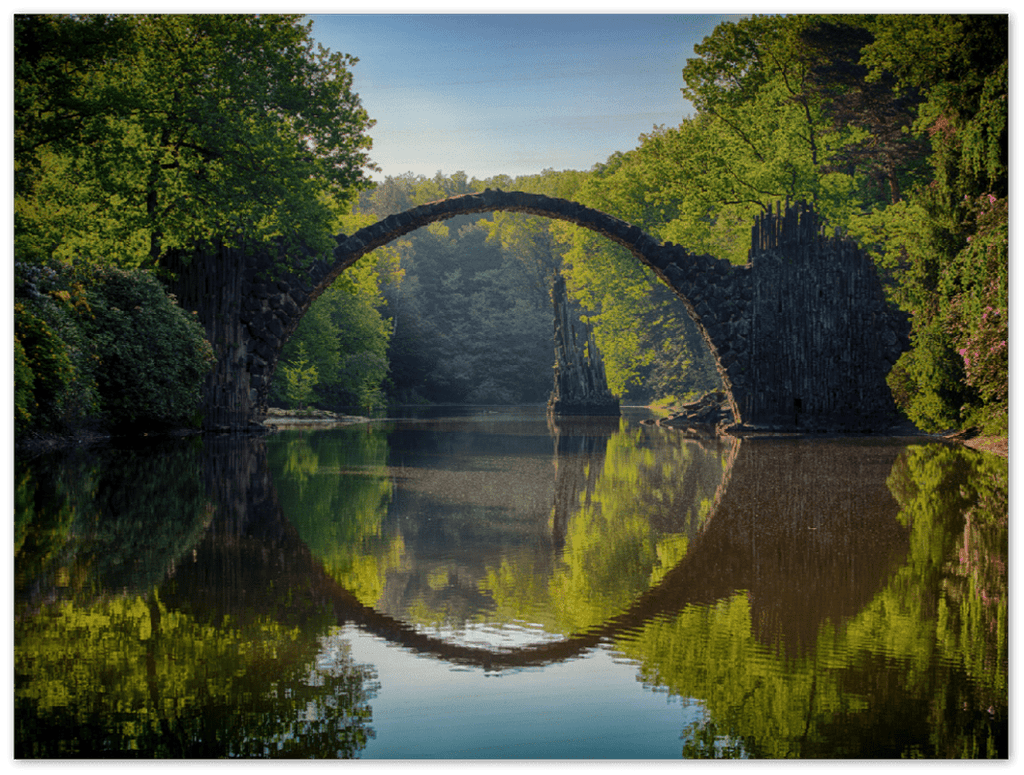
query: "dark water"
496, 586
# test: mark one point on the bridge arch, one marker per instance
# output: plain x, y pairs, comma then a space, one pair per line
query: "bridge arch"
802, 335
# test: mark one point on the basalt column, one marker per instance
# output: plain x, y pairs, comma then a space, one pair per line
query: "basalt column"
211, 283
249, 301
581, 387
822, 335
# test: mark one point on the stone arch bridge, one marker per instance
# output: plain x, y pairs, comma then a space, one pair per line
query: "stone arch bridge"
802, 334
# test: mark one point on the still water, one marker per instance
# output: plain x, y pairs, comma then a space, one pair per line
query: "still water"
491, 584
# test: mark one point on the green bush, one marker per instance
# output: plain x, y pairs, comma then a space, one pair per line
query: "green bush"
24, 401
47, 361
153, 356
927, 381
103, 347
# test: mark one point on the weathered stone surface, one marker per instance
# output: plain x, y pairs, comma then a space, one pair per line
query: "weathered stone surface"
802, 334
581, 387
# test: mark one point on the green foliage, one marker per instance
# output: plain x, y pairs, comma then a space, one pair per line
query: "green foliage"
51, 305
927, 381
105, 347
153, 356
300, 377
345, 338
136, 135
651, 347
946, 245
469, 306
472, 310
24, 381
47, 370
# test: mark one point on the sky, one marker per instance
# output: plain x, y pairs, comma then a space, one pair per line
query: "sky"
513, 94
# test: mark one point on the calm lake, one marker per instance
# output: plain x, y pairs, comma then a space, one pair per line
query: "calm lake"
487, 583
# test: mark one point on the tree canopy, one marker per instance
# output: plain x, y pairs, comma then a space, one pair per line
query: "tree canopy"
136, 135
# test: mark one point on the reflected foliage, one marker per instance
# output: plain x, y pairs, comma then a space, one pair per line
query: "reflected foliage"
620, 540
337, 496
110, 662
622, 517
926, 660
107, 518
126, 677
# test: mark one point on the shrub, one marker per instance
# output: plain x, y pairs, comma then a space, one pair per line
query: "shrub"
46, 360
927, 382
153, 356
24, 401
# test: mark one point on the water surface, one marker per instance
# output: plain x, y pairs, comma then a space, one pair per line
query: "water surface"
490, 584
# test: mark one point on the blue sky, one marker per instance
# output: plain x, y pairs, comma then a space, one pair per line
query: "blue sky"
513, 94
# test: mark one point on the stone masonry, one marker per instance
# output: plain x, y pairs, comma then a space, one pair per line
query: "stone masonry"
802, 334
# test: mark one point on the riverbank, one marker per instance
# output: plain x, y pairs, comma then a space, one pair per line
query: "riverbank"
276, 419
301, 418
711, 416
996, 445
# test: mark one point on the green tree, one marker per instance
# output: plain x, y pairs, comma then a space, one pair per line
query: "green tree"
300, 378
946, 244
138, 135
346, 334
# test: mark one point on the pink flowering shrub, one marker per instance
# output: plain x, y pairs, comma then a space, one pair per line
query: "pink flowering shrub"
978, 320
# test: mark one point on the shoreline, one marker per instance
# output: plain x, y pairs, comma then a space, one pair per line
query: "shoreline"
281, 419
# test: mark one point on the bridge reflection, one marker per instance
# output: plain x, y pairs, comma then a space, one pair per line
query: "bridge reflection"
807, 528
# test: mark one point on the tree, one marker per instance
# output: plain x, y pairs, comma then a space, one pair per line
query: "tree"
770, 127
139, 135
946, 244
300, 377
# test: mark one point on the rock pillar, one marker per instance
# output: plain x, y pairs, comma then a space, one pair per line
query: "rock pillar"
581, 387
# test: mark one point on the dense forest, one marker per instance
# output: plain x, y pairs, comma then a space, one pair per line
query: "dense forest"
893, 127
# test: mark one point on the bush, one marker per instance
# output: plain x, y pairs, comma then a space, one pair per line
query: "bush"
24, 380
103, 347
153, 356
46, 359
927, 382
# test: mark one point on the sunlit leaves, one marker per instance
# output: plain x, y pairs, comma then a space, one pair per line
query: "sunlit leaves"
175, 130
128, 677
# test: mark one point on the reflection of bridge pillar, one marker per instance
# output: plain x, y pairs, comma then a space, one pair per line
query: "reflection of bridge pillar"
808, 529
580, 445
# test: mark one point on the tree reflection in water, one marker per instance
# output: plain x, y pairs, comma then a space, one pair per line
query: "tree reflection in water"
817, 598
111, 661
881, 634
